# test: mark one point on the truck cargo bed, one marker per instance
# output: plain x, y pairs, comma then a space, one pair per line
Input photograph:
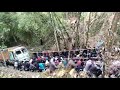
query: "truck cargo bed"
5, 55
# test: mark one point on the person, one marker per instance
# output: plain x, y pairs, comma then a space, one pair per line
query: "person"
114, 69
41, 67
42, 60
72, 54
38, 59
8, 63
32, 67
78, 55
20, 66
84, 53
89, 53
31, 60
94, 52
52, 59
34, 59
95, 70
36, 64
65, 62
78, 67
26, 66
46, 58
16, 64
87, 65
59, 59
52, 65
71, 64
47, 63
56, 62
56, 58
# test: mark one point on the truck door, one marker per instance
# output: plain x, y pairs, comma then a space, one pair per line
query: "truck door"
11, 55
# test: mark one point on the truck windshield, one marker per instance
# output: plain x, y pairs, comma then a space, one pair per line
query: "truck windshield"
24, 50
18, 52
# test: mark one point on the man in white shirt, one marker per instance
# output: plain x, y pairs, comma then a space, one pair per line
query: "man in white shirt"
30, 61
87, 65
15, 64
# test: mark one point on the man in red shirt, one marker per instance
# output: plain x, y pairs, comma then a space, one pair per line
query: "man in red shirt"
79, 66
38, 59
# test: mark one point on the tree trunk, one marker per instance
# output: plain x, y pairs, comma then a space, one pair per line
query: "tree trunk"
114, 27
88, 28
62, 26
78, 31
55, 34
62, 34
56, 39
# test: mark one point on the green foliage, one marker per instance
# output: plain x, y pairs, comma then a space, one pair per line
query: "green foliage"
24, 28
36, 29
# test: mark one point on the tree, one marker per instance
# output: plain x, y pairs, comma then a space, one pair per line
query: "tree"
70, 29
88, 28
114, 27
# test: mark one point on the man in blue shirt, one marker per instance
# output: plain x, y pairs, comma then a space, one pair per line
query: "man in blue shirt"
41, 67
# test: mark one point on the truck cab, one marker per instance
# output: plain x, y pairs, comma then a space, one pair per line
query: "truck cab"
18, 53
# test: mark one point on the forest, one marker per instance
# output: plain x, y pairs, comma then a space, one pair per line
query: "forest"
59, 30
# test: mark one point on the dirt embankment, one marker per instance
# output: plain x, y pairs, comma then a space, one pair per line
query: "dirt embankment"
12, 73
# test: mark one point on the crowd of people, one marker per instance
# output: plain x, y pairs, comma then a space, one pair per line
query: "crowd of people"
89, 61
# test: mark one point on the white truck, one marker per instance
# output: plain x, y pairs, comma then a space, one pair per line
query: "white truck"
19, 53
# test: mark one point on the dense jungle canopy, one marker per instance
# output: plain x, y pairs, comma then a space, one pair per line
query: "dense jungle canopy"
59, 30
